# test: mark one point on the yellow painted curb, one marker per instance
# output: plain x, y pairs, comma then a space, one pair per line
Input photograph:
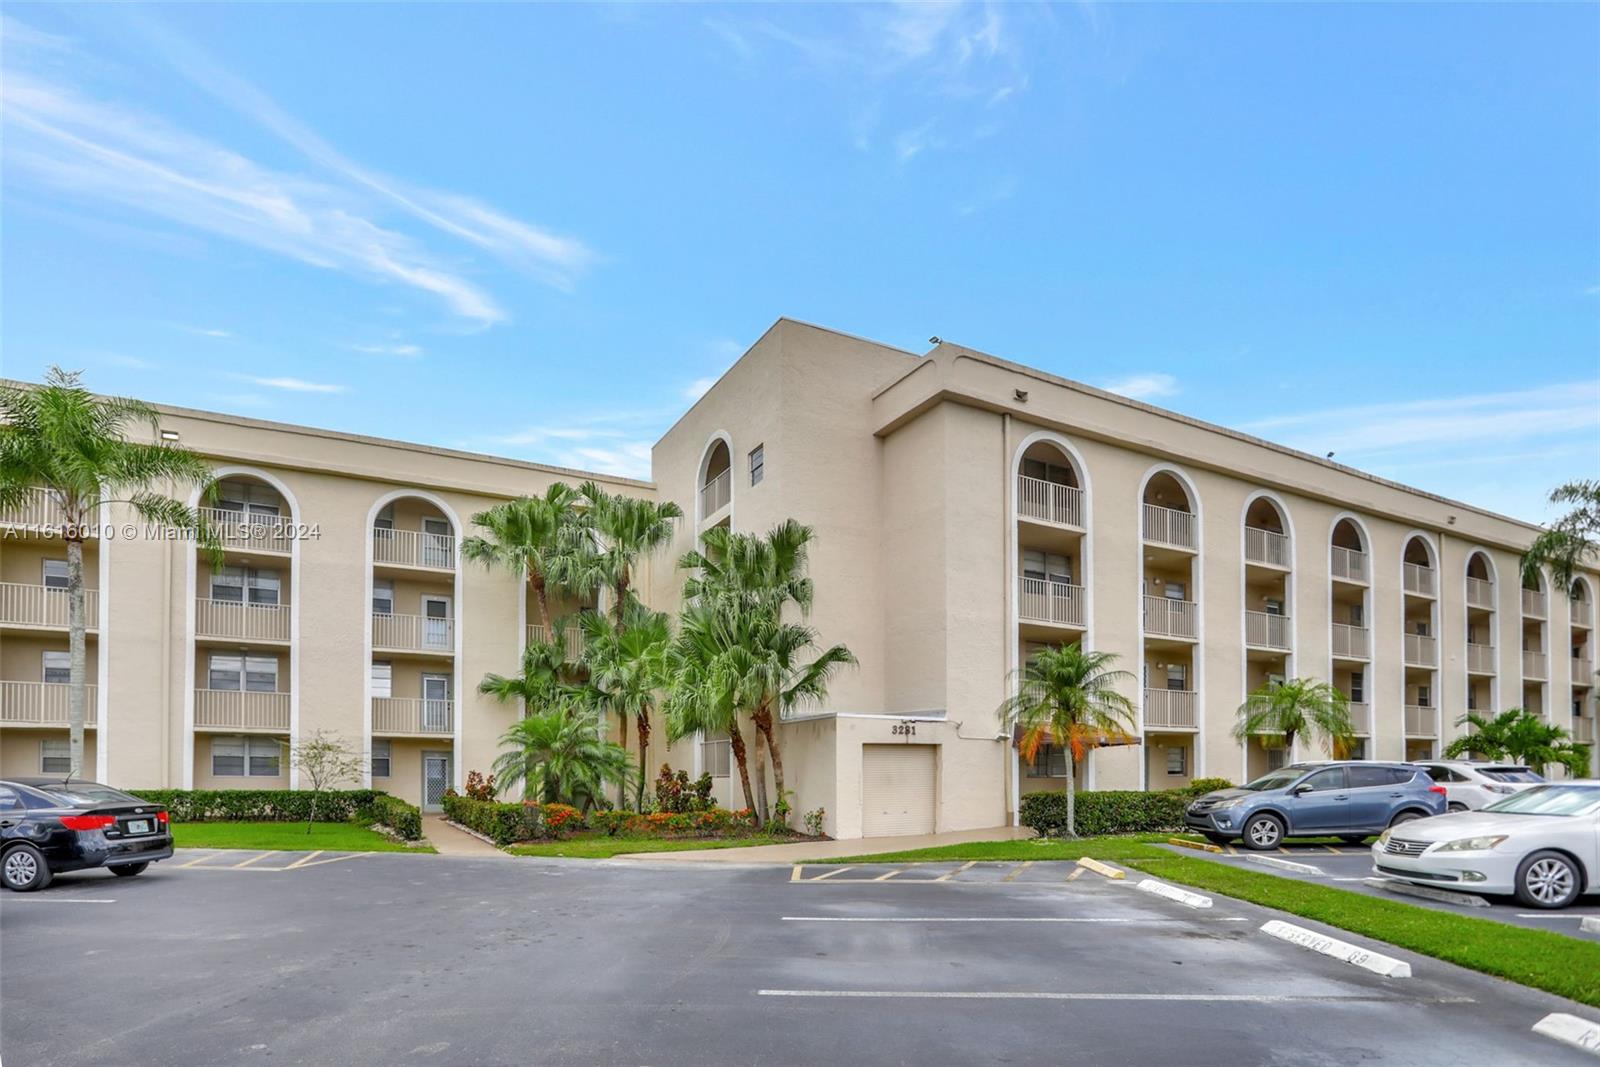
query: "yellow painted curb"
1199, 846
1102, 868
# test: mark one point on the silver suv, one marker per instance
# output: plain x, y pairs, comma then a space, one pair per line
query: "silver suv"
1471, 784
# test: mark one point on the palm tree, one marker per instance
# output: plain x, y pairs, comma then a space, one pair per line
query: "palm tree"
546, 681
533, 537
767, 571
623, 530
73, 444
1299, 707
703, 668
560, 757
627, 668
1521, 736
1570, 542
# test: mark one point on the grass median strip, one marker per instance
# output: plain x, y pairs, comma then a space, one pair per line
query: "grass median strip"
287, 837
1554, 962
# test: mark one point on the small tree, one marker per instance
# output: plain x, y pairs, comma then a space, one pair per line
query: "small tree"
1281, 711
1520, 736
324, 760
1570, 542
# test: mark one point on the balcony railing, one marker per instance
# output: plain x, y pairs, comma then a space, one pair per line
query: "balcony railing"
1582, 613
413, 633
1266, 546
1049, 502
1351, 642
572, 636
1349, 564
39, 509
1262, 630
412, 715
241, 709
1421, 651
1168, 526
43, 606
43, 704
1480, 594
1582, 670
1583, 730
1166, 617
238, 621
1533, 604
1360, 718
1169, 709
715, 494
414, 548
250, 532
1421, 721
1419, 580
1533, 665
1480, 659
1041, 600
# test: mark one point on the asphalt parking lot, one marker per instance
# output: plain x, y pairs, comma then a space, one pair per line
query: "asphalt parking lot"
1350, 866
395, 959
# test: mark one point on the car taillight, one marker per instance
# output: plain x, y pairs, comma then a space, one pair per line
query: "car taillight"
161, 817
1438, 789
87, 822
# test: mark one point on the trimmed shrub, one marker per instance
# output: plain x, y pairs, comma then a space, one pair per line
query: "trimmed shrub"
404, 819
261, 805
500, 823
1201, 786
1107, 812
561, 818
613, 821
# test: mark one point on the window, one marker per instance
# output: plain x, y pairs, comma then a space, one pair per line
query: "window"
255, 674
1276, 758
382, 680
9, 800
1175, 591
1424, 696
1357, 749
1274, 680
247, 498
55, 757
716, 756
1049, 762
1177, 761
1048, 472
381, 749
1325, 780
1046, 567
1177, 677
1372, 777
244, 585
382, 596
55, 574
1274, 605
58, 667
758, 464
1358, 687
1357, 615
238, 757
1421, 628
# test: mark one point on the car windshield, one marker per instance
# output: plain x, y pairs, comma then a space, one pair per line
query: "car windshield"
1511, 774
88, 793
1275, 780
1551, 800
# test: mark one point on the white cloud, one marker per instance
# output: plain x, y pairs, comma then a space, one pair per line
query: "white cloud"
293, 385
698, 388
908, 144
405, 350
1143, 386
203, 332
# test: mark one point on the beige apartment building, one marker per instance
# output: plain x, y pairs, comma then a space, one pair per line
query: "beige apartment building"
968, 510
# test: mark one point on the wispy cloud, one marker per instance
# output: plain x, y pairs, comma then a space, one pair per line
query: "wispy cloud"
205, 332
404, 350
698, 388
612, 444
908, 144
293, 385
996, 192
1143, 386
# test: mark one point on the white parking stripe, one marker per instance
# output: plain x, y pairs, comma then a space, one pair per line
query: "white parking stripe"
994, 919
1232, 998
14, 898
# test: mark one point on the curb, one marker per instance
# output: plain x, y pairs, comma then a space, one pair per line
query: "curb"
1286, 865
1444, 896
1198, 846
1099, 868
1171, 892
1570, 1030
1354, 955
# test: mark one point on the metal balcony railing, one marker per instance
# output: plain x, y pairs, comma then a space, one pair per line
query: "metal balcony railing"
414, 548
241, 709
1480, 594
1480, 659
1349, 564
1263, 630
1169, 709
1168, 526
1421, 721
1419, 580
1166, 617
1533, 665
1052, 502
1351, 642
413, 633
1266, 546
716, 494
43, 704
1421, 651
412, 715
238, 621
1360, 718
244, 531
572, 636
1534, 605
44, 606
1041, 600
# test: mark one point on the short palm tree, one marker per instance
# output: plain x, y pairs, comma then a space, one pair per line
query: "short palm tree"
622, 530
1279, 712
560, 757
74, 445
1071, 698
627, 668
1570, 542
1522, 736
533, 537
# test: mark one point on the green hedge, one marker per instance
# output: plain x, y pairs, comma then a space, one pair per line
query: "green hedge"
287, 805
1114, 811
500, 823
404, 819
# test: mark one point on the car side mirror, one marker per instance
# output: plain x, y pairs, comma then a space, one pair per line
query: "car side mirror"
1301, 790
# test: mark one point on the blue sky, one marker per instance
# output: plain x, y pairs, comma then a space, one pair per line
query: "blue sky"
539, 231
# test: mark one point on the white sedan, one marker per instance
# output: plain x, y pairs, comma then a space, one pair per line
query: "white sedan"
1543, 845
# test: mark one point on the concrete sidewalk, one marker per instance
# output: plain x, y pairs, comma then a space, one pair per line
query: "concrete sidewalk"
452, 842
824, 850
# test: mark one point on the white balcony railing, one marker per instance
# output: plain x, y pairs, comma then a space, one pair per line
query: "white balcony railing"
1040, 600
39, 509
241, 709
43, 704
1262, 630
250, 532
1533, 665
1061, 505
413, 633
572, 635
1582, 671
1421, 722
1480, 594
715, 494
1419, 580
1166, 617
412, 715
414, 548
1480, 659
43, 606
1348, 564
238, 621
1168, 526
1351, 642
1266, 546
1421, 651
1582, 613
1533, 604
1169, 709
1360, 718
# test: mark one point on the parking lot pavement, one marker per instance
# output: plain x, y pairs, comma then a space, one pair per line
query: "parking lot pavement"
436, 960
1349, 866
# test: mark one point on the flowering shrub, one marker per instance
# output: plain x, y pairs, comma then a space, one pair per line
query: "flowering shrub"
676, 794
814, 821
559, 818
479, 787
612, 822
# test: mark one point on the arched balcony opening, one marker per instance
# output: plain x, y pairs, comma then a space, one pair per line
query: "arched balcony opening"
1348, 559
1580, 645
1049, 489
1052, 602
1171, 623
1266, 535
1169, 514
1420, 647
1420, 577
1268, 593
716, 483
1480, 616
1535, 639
1350, 632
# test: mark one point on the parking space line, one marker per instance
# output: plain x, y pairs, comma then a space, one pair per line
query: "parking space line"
830, 874
308, 862
1145, 920
303, 860
1232, 851
197, 860
1013, 875
14, 898
794, 875
1077, 872
886, 877
1229, 998
951, 874
252, 859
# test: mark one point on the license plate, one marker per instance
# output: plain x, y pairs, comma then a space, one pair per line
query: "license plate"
138, 826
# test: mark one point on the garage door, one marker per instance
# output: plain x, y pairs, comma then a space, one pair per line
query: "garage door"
897, 789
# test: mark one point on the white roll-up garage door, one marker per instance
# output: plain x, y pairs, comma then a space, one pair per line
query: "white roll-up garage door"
897, 789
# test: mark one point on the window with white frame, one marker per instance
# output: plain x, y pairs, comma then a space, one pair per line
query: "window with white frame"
1175, 591
1358, 687
716, 756
55, 574
1178, 677
1046, 567
57, 667
1274, 605
385, 519
1358, 615
241, 757
55, 757
234, 672
381, 749
382, 596
247, 498
1424, 696
245, 585
758, 464
1046, 472
383, 679
1178, 760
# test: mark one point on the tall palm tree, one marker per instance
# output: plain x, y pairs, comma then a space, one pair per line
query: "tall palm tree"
1070, 698
559, 757
73, 444
703, 668
1298, 707
622, 531
1522, 736
767, 571
1570, 542
533, 537
627, 668
545, 682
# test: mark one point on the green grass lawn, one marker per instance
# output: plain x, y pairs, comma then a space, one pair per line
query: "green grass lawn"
289, 836
599, 848
1558, 964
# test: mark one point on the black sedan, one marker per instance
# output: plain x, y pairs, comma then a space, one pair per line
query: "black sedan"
51, 825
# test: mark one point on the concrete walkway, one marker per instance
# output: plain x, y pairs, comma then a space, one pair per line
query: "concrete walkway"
452, 842
824, 850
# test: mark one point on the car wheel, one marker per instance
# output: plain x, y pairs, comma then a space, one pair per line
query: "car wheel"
1456, 805
1217, 839
128, 870
1352, 839
1548, 880
1263, 832
24, 869
1404, 816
